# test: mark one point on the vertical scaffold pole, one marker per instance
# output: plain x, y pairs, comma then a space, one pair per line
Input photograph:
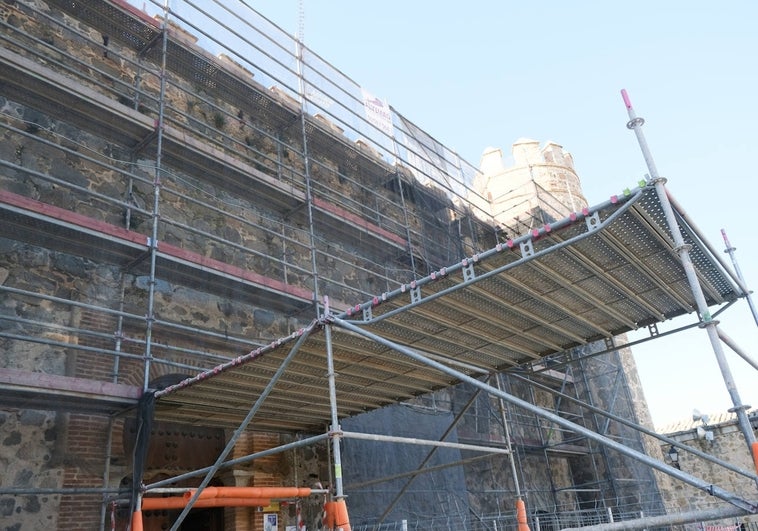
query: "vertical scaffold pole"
211, 471
153, 239
337, 511
521, 521
335, 426
300, 61
730, 251
707, 322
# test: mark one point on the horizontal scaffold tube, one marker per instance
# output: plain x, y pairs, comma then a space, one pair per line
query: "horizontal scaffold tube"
179, 502
250, 492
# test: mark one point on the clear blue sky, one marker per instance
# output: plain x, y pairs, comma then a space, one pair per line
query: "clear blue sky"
485, 73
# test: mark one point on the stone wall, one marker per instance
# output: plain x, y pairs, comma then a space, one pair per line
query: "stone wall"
99, 334
44, 449
65, 166
33, 439
49, 450
727, 444
28, 458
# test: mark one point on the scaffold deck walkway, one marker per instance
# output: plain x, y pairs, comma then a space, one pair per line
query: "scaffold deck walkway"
591, 276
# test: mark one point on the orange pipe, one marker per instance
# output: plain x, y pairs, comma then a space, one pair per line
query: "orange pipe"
523, 525
251, 492
755, 455
179, 502
137, 521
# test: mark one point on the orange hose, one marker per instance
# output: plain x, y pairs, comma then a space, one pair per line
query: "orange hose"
755, 455
523, 525
251, 492
179, 502
137, 521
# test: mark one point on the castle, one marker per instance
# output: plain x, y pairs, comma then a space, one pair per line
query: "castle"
222, 246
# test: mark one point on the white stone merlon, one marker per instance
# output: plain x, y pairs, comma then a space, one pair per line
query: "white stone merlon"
541, 185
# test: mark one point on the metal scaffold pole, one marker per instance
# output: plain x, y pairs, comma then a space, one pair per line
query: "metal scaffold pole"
335, 427
749, 507
730, 251
299, 56
242, 427
336, 510
423, 465
520, 505
682, 249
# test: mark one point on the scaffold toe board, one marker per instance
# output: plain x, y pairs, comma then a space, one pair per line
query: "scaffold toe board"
591, 276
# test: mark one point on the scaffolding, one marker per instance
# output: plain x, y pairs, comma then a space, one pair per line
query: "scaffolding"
246, 196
